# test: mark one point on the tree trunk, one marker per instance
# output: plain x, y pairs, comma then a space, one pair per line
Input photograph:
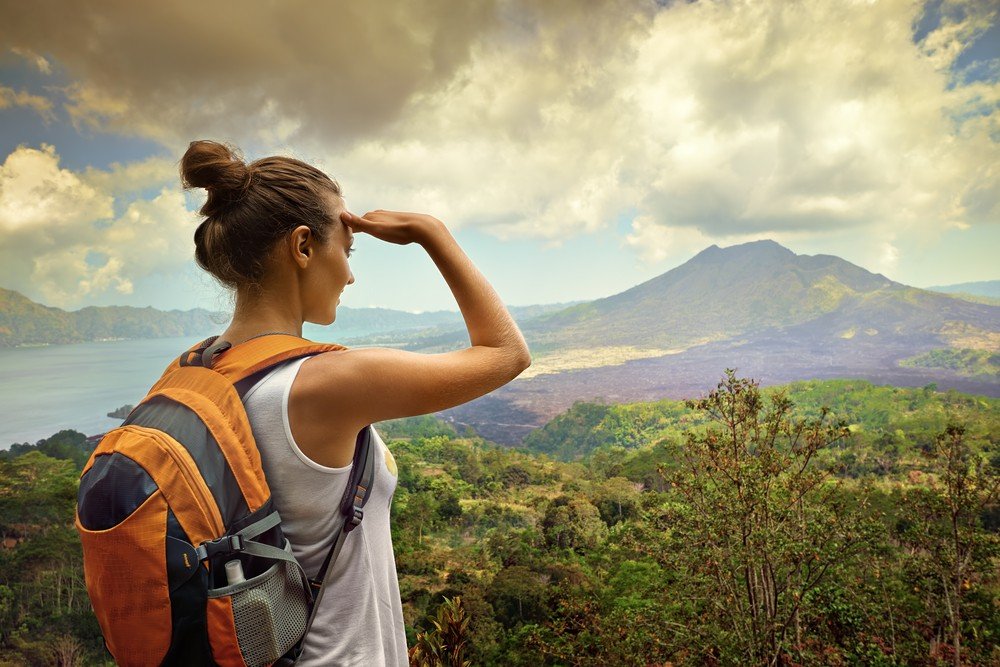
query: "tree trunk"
957, 631
956, 618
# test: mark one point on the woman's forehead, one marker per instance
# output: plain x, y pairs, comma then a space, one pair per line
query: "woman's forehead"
336, 205
343, 230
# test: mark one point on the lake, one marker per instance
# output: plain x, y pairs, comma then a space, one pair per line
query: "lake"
44, 390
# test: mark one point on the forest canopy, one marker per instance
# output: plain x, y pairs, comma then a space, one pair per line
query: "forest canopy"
824, 522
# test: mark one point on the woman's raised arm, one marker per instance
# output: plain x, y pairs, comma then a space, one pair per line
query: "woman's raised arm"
360, 386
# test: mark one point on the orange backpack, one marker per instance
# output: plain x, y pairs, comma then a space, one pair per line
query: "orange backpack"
176, 496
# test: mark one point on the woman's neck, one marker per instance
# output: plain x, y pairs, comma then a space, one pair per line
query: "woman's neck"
262, 316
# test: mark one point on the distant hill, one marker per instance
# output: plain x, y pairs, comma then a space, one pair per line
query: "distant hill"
383, 326
986, 291
25, 322
990, 288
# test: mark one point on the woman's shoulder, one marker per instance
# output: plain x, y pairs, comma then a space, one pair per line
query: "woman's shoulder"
325, 386
324, 429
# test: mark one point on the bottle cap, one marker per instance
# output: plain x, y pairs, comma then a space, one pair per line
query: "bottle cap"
234, 572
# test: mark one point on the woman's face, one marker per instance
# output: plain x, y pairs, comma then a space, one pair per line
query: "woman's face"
329, 271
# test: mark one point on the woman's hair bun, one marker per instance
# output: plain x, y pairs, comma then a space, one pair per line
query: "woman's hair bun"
213, 166
251, 207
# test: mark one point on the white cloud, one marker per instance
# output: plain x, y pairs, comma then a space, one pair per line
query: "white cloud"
655, 242
120, 178
38, 196
52, 219
807, 116
63, 276
888, 259
961, 22
738, 120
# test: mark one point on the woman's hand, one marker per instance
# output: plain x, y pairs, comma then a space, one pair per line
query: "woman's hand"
394, 226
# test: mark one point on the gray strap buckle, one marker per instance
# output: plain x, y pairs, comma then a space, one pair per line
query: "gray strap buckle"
225, 544
354, 519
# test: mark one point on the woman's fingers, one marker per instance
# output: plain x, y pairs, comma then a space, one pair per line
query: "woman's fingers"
389, 226
347, 217
355, 222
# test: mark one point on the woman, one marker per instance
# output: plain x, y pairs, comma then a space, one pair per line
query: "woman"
277, 233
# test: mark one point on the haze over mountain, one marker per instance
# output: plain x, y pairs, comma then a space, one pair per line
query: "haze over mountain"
984, 291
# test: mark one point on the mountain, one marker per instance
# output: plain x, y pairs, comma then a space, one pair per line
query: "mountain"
753, 288
24, 322
986, 291
990, 288
747, 290
758, 307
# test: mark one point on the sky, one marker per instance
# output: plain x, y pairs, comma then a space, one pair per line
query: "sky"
573, 149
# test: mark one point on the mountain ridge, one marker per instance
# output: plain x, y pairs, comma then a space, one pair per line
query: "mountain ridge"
27, 322
718, 293
988, 288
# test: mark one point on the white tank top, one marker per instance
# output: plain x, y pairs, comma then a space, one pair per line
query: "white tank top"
360, 619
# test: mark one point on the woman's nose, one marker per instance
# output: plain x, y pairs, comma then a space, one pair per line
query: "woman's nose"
350, 281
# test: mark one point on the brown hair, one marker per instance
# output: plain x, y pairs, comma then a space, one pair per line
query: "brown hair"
251, 207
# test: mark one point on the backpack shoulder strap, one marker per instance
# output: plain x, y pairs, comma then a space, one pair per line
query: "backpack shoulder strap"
238, 362
244, 360
180, 361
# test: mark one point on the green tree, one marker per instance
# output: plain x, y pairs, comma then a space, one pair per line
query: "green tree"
573, 523
761, 525
420, 511
617, 500
519, 595
66, 444
45, 613
951, 548
36, 490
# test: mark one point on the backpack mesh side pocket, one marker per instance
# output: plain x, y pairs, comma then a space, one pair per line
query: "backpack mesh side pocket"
270, 611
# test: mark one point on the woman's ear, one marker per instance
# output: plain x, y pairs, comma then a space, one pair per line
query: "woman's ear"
302, 245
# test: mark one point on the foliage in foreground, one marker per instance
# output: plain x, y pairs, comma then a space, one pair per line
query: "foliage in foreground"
748, 530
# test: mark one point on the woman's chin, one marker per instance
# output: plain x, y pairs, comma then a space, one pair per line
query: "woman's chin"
325, 321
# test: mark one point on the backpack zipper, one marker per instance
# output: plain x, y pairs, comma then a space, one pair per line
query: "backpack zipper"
204, 497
